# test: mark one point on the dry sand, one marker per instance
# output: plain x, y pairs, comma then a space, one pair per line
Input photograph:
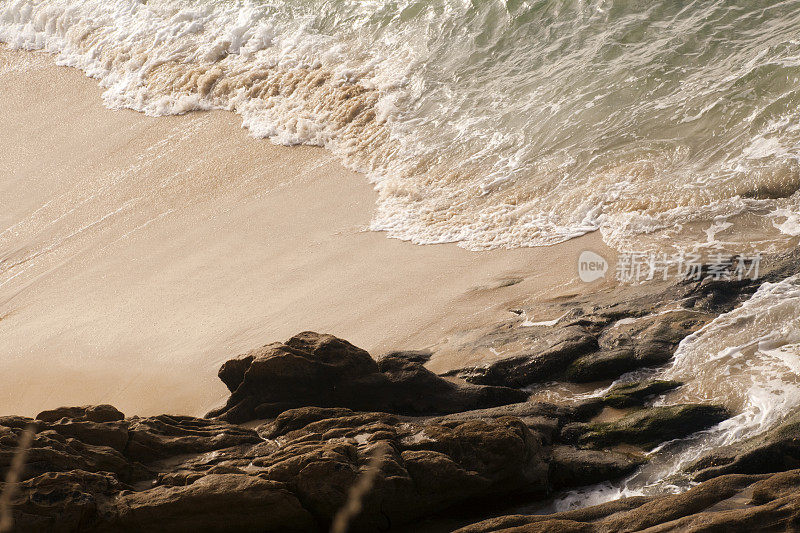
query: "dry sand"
137, 253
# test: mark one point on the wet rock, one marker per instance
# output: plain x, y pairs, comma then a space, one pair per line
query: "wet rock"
544, 418
573, 467
663, 511
311, 369
774, 451
414, 356
647, 341
560, 349
635, 394
555, 522
647, 427
689, 511
595, 347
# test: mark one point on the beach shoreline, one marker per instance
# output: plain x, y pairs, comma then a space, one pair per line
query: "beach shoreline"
139, 252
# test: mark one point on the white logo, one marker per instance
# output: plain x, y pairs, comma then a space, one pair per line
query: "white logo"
591, 266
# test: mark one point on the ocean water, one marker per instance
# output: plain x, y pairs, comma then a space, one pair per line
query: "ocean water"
487, 123
748, 360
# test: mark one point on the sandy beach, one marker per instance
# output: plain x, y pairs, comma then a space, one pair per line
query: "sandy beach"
137, 253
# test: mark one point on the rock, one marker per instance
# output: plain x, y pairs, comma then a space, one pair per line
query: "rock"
774, 451
430, 466
324, 371
92, 413
647, 341
295, 419
688, 511
546, 419
164, 436
573, 467
69, 501
673, 507
778, 486
593, 348
414, 356
560, 349
606, 364
554, 522
53, 452
185, 474
634, 394
647, 427
215, 502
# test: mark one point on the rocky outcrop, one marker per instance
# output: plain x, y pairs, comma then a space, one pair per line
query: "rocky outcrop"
593, 349
291, 474
603, 335
559, 350
574, 467
642, 342
647, 427
91, 469
774, 451
635, 394
325, 407
324, 371
732, 502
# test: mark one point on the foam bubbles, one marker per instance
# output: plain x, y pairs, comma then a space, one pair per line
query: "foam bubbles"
490, 124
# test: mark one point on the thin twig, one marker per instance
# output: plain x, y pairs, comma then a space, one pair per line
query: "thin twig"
355, 496
12, 478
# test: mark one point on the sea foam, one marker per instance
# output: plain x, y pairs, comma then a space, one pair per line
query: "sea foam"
491, 124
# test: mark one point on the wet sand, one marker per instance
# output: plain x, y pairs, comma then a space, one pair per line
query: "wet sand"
139, 253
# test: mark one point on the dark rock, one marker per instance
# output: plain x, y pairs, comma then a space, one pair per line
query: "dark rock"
53, 452
634, 394
544, 418
688, 511
606, 364
92, 413
295, 419
647, 341
164, 436
593, 348
324, 371
414, 356
429, 467
647, 427
774, 451
560, 349
188, 474
573, 467
672, 507
215, 502
778, 486
553, 522
69, 501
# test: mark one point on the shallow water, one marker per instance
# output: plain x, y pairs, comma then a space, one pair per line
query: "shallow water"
747, 359
488, 123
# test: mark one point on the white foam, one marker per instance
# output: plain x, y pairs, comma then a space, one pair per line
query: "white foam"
747, 359
470, 129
